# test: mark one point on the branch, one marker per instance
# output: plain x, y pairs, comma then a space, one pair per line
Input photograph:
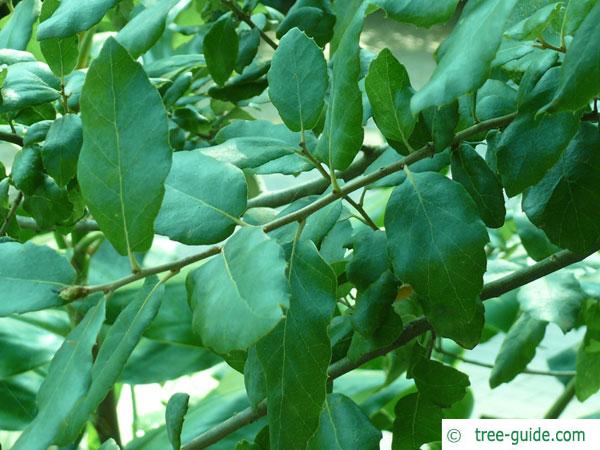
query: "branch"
76, 292
412, 330
241, 14
562, 401
550, 373
12, 138
11, 213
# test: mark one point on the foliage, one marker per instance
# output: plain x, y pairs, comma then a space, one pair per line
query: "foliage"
323, 309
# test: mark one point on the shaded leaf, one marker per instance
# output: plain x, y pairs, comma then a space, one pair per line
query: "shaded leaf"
480, 29
518, 349
440, 384
418, 421
220, 47
174, 417
61, 148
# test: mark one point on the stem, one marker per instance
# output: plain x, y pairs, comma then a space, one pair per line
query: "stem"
12, 138
11, 213
107, 421
75, 292
135, 418
562, 401
244, 17
412, 330
550, 373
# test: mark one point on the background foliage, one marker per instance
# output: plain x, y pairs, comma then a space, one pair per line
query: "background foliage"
343, 301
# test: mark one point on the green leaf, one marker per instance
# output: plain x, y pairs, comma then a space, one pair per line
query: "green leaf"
575, 14
28, 84
530, 146
37, 270
533, 26
436, 241
443, 120
245, 283
343, 134
313, 17
16, 33
220, 48
298, 80
580, 72
49, 204
389, 91
299, 346
27, 170
471, 170
21, 389
61, 148
174, 416
555, 298
70, 18
373, 305
418, 421
518, 349
25, 346
480, 30
587, 381
142, 32
417, 12
61, 54
114, 352
534, 240
195, 210
563, 202
343, 425
125, 156
369, 259
440, 384
71, 366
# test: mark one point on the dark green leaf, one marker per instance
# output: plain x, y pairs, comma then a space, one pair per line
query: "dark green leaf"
436, 242
440, 384
314, 17
470, 170
417, 12
221, 49
580, 73
534, 240
61, 149
343, 425
49, 204
575, 14
145, 28
109, 445
518, 349
123, 119
16, 33
418, 421
369, 259
563, 202
70, 18
195, 210
298, 80
246, 280
28, 84
61, 54
587, 381
297, 347
388, 87
174, 417
70, 367
480, 30
343, 133
530, 146
21, 390
37, 270
373, 305
27, 170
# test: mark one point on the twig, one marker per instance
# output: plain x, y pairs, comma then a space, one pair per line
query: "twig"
240, 14
11, 137
11, 213
562, 401
412, 330
550, 373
